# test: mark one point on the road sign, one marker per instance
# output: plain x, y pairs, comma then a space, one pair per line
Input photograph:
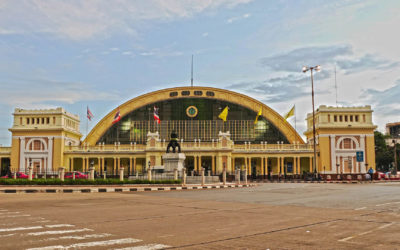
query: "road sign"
360, 156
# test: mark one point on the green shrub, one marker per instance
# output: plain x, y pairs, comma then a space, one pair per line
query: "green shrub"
83, 182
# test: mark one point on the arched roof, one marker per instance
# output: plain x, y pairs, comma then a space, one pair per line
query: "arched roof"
221, 94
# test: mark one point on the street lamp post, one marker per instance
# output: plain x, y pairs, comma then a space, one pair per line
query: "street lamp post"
305, 69
394, 171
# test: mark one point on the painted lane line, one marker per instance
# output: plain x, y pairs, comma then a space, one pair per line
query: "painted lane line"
145, 247
15, 216
367, 232
383, 204
5, 213
19, 228
59, 225
90, 244
87, 236
6, 235
360, 208
59, 232
83, 237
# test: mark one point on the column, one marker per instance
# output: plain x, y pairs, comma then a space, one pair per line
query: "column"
232, 164
72, 164
249, 165
134, 165
298, 165
50, 154
21, 166
283, 165
200, 166
294, 165
115, 165
266, 166
195, 163
213, 164
262, 166
333, 153
246, 161
278, 160
311, 164
130, 166
362, 148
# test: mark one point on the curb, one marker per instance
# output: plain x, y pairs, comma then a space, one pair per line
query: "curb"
118, 189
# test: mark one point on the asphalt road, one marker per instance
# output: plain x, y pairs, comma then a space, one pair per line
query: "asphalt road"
269, 216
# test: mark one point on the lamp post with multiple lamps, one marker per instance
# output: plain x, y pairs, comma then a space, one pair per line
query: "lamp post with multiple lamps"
305, 69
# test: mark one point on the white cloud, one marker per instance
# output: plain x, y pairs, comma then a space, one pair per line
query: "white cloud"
43, 91
80, 20
205, 34
114, 49
237, 18
127, 53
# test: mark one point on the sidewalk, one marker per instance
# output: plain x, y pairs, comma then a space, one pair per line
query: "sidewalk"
112, 188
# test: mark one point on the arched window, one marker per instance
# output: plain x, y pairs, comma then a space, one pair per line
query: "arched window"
36, 145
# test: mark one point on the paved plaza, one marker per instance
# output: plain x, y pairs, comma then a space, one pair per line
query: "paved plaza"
268, 216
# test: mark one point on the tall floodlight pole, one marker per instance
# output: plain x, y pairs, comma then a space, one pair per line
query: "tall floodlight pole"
305, 69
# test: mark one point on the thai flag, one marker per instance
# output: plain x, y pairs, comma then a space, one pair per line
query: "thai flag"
156, 116
117, 117
89, 114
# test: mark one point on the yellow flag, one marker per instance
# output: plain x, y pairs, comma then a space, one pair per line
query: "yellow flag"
290, 113
224, 114
259, 113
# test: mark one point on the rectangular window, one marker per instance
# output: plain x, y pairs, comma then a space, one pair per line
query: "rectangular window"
351, 118
37, 120
47, 120
329, 118
335, 118
363, 118
356, 118
42, 120
27, 120
345, 118
33, 120
340, 118
54, 120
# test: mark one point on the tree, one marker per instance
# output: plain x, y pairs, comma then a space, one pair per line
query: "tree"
383, 153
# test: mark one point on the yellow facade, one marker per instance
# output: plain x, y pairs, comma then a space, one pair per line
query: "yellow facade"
340, 133
49, 139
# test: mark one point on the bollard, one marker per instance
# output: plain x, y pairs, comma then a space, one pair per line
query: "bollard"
121, 174
91, 173
61, 173
224, 176
237, 176
176, 174
30, 173
149, 174
245, 177
104, 175
184, 176
15, 175
73, 175
203, 178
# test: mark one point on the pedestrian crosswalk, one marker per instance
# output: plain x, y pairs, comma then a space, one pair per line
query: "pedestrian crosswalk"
19, 230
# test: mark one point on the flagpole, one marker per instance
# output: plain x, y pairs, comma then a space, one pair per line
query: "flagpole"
87, 121
295, 118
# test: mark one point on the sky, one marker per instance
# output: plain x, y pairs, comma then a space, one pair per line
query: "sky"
102, 53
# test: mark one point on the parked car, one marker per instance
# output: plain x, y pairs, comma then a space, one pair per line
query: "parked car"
78, 175
21, 175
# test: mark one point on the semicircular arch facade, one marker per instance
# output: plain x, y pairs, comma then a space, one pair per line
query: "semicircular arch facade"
193, 92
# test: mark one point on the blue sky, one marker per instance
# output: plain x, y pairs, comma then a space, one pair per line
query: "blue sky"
102, 53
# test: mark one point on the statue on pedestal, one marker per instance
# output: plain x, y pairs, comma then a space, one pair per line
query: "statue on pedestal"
174, 143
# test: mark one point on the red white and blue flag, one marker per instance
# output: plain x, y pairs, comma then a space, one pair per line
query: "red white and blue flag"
156, 116
89, 114
117, 117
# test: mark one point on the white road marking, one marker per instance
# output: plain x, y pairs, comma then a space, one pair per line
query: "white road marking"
367, 232
59, 232
90, 244
383, 204
59, 225
15, 216
5, 213
7, 235
87, 236
145, 247
19, 228
360, 208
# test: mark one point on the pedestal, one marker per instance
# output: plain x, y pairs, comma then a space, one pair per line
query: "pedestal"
173, 161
